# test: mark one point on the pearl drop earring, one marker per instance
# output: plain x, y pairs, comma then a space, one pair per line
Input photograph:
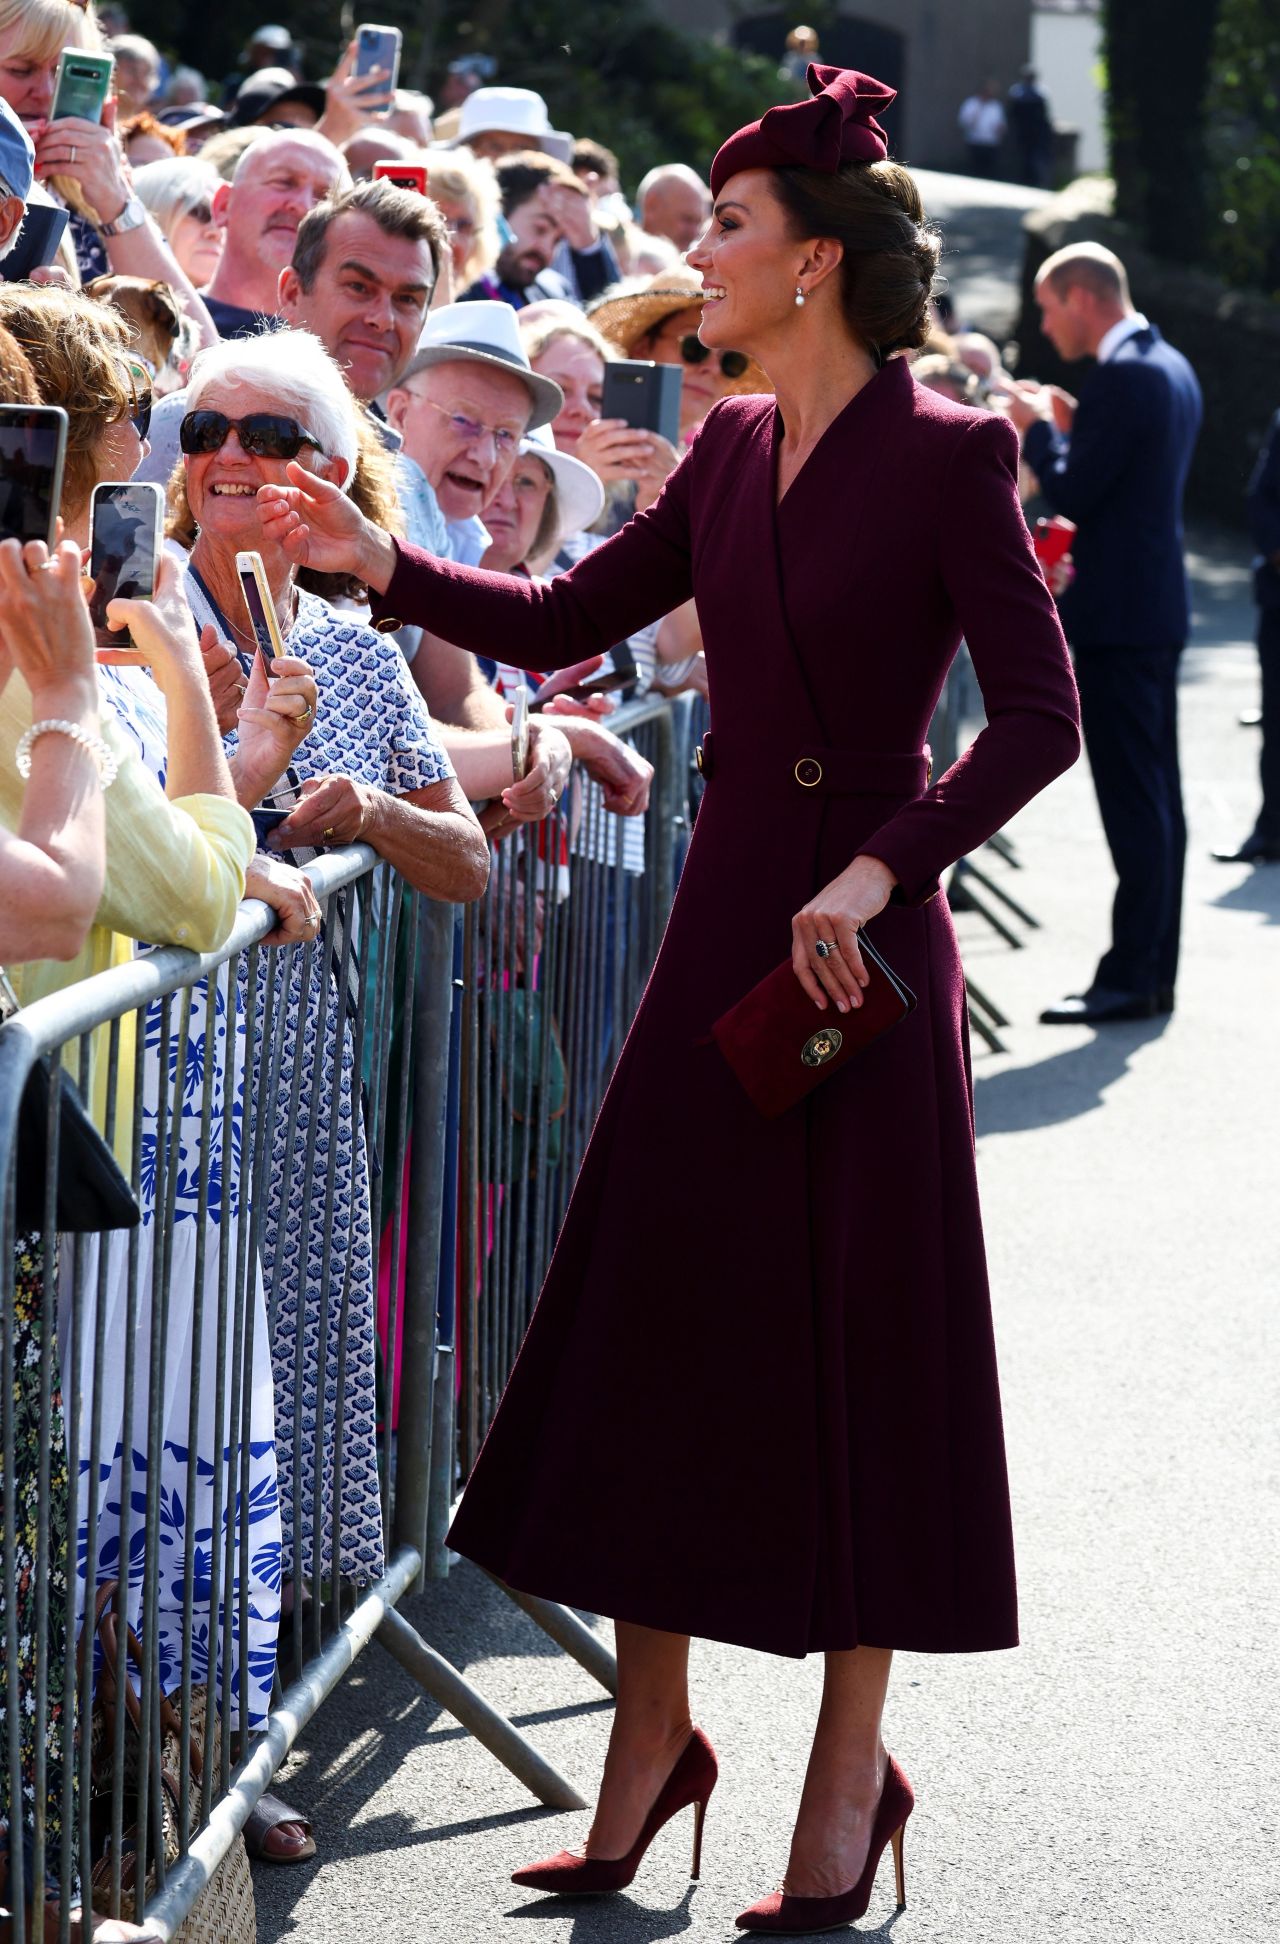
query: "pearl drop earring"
799, 296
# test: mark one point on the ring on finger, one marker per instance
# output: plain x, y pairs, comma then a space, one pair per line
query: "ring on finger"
825, 950
73, 152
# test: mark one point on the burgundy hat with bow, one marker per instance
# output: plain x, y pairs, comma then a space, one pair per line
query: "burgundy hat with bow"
836, 126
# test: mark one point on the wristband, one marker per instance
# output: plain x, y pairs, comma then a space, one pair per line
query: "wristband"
92, 745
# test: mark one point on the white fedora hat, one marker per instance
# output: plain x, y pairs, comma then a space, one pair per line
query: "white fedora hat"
511, 111
484, 333
579, 494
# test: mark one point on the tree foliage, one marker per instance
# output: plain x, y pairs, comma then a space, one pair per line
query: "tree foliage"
608, 68
1244, 145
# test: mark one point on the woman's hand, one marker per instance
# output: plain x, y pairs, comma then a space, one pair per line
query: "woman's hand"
224, 675
836, 916
163, 628
615, 451
89, 154
317, 526
275, 716
288, 891
46, 626
331, 810
541, 787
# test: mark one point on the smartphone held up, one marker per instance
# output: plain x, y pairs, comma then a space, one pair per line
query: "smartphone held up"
33, 446
126, 535
261, 608
378, 52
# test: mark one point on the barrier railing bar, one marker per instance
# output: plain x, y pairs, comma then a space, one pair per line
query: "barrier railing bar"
565, 1628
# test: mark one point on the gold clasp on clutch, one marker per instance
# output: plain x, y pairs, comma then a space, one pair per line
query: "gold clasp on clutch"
822, 1047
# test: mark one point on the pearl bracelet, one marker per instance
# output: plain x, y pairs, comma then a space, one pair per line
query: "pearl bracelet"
92, 746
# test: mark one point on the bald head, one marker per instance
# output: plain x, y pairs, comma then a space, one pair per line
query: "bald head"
1090, 266
674, 202
278, 179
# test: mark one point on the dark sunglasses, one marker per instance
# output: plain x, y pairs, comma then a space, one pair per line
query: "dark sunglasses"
200, 212
266, 435
695, 352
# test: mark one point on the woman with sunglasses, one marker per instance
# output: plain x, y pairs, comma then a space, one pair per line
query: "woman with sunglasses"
660, 320
372, 769
179, 194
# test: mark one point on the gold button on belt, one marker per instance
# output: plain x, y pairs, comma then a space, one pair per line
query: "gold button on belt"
697, 757
809, 772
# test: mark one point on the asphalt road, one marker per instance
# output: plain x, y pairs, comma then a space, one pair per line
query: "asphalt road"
981, 244
1115, 1778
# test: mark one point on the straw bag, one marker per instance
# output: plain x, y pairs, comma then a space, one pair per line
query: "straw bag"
224, 1912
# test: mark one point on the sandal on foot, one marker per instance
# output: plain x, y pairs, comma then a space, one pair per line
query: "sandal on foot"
275, 1833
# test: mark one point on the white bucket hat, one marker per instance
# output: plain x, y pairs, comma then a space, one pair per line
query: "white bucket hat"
511, 111
579, 494
484, 333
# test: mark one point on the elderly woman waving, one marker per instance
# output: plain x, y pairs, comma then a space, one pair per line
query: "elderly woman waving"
371, 769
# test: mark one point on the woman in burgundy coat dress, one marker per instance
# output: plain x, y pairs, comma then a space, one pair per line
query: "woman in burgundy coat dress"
772, 1416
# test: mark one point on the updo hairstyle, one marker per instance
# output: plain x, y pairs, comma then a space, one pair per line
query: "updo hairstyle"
890, 253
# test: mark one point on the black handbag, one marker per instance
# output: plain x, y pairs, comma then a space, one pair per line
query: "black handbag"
92, 1194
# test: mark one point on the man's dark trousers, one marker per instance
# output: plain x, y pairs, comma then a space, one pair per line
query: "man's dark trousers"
1129, 713
1268, 824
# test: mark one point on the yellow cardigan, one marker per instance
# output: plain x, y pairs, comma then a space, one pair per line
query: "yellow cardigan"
175, 875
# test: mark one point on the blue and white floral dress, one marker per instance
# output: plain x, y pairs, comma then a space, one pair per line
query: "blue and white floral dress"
215, 1038
372, 725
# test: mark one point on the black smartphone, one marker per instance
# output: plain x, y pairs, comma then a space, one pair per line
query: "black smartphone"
33, 446
645, 395
268, 814
37, 243
261, 607
379, 47
126, 534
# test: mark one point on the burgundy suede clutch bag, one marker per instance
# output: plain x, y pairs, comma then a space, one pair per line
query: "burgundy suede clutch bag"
781, 1047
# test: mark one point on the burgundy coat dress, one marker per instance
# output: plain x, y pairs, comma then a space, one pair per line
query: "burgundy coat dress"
758, 1402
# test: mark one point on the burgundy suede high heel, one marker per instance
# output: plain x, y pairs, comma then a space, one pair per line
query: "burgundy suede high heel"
784, 1913
690, 1782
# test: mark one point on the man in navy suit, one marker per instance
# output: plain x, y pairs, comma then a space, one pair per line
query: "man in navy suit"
1262, 846
1116, 463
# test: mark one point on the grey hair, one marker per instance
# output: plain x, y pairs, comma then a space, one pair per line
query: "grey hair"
670, 172
169, 189
298, 375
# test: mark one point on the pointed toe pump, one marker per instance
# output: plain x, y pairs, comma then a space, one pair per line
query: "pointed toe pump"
787, 1915
689, 1783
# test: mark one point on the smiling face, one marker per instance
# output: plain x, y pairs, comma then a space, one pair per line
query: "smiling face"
579, 372
222, 486
514, 514
536, 232
367, 300
750, 263
464, 464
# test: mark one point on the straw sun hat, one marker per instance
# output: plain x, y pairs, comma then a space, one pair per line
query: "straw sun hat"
629, 312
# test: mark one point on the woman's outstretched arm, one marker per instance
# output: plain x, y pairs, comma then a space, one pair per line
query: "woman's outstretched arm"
640, 574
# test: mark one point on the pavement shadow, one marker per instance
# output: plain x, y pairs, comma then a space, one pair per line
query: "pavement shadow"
624, 1923
1062, 1087
1259, 891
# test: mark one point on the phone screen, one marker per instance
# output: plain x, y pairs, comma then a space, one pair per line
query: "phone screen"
84, 81
262, 614
124, 556
33, 442
379, 47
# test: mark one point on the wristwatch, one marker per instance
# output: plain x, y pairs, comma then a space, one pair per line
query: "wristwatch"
131, 217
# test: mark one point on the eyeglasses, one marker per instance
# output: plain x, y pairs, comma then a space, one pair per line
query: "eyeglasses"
695, 352
199, 212
459, 226
470, 430
265, 435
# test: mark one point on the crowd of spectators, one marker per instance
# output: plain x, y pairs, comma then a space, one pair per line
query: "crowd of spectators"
236, 291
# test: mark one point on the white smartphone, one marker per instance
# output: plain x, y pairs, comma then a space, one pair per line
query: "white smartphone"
378, 47
261, 607
520, 733
126, 535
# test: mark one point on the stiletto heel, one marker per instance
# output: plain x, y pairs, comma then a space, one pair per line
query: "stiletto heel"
784, 1913
699, 1817
690, 1781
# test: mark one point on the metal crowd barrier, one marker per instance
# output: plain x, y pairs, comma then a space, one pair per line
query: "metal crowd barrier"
475, 1046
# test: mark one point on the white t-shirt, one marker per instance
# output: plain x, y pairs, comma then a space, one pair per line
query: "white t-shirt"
982, 122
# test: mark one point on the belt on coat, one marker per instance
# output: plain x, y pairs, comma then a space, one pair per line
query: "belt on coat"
829, 772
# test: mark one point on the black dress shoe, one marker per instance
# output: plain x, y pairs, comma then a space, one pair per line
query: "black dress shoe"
1101, 1006
1254, 850
1164, 999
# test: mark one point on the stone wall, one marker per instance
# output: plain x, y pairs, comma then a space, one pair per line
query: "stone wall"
1232, 338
